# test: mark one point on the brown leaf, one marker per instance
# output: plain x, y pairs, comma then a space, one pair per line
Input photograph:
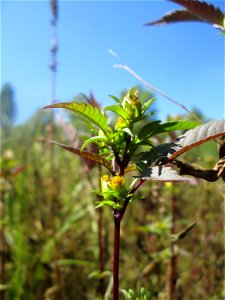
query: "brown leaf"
176, 16
205, 11
87, 155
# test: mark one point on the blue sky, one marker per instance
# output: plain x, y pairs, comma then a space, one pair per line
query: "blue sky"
186, 60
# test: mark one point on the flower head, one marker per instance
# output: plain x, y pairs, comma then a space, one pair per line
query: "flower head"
116, 182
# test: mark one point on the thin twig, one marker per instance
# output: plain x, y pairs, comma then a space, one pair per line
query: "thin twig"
126, 68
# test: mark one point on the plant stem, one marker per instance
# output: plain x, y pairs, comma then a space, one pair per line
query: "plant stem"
116, 255
118, 215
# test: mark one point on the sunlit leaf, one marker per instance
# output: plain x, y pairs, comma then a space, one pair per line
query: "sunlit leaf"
176, 125
128, 131
146, 105
87, 112
88, 155
95, 139
155, 127
117, 100
119, 110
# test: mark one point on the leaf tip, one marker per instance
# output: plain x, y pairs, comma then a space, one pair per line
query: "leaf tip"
47, 106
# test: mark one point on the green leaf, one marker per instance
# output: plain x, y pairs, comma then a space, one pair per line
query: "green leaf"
95, 139
119, 110
176, 125
128, 294
148, 130
117, 100
98, 275
155, 127
87, 155
146, 105
106, 202
88, 112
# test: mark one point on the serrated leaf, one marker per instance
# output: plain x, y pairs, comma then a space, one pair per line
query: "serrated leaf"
175, 16
119, 110
87, 155
196, 11
206, 11
165, 174
95, 139
195, 137
87, 112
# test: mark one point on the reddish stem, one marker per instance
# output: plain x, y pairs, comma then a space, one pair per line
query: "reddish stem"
116, 255
118, 215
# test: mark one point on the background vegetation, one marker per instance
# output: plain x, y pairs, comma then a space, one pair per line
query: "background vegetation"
172, 239
49, 224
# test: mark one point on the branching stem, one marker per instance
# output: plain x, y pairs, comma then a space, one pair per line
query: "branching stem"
118, 215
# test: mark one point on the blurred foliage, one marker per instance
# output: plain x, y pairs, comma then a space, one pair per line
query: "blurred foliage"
8, 109
49, 230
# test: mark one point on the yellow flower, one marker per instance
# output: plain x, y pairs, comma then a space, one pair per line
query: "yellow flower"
116, 181
120, 123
